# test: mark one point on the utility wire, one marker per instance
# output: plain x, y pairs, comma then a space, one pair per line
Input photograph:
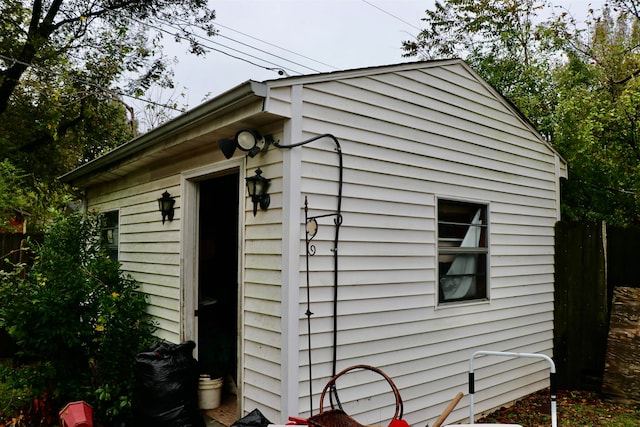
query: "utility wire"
276, 46
268, 53
276, 67
392, 15
246, 44
88, 83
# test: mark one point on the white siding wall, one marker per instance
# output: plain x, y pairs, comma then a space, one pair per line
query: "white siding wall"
262, 295
148, 249
408, 138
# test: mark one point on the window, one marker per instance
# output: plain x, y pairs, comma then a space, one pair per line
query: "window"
462, 251
110, 233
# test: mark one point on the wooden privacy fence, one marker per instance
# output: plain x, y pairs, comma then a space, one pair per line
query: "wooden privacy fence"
591, 259
10, 248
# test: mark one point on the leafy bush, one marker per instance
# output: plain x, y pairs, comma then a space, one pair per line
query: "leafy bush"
77, 319
19, 407
12, 195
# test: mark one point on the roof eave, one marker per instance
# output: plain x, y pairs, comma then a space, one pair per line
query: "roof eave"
190, 119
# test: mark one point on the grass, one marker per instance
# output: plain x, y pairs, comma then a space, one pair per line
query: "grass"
574, 409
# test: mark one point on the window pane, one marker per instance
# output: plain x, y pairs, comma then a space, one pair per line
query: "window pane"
456, 221
462, 249
463, 285
110, 233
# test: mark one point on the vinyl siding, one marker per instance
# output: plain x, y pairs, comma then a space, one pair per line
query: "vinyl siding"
409, 137
262, 295
147, 250
410, 134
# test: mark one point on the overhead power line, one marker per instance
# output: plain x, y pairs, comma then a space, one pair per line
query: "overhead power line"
264, 51
268, 65
275, 66
276, 46
246, 44
392, 15
88, 83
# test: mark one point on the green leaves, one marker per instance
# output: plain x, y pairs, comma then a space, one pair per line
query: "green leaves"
13, 195
78, 313
597, 120
65, 70
499, 39
577, 83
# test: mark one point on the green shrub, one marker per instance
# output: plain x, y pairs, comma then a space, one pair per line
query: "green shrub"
19, 405
77, 319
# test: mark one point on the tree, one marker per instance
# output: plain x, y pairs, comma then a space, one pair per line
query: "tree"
577, 83
502, 42
65, 66
13, 196
108, 37
597, 117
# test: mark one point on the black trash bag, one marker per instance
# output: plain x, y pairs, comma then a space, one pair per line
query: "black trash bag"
252, 419
166, 387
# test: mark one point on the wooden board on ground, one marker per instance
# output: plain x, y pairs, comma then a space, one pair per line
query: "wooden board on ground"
622, 368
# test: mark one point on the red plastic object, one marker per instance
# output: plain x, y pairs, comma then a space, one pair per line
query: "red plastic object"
76, 414
398, 423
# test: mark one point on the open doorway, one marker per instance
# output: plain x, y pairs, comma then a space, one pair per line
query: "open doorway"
218, 290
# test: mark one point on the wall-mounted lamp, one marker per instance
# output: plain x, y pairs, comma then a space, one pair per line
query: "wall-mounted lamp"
247, 140
257, 185
165, 204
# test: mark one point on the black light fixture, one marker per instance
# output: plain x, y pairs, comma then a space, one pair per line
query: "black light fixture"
257, 185
248, 140
165, 204
228, 147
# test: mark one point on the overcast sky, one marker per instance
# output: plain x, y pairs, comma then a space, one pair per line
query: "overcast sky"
300, 37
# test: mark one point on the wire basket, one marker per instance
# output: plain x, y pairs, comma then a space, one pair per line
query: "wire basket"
337, 417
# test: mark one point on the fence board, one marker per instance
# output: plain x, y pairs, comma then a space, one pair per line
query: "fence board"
10, 248
623, 247
581, 311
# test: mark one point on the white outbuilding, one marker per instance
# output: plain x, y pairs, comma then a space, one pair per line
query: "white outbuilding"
434, 202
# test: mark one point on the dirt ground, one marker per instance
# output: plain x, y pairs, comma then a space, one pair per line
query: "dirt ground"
574, 408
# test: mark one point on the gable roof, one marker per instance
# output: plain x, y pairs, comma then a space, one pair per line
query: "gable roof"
257, 92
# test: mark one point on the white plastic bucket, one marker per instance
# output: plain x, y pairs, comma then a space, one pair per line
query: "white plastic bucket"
209, 392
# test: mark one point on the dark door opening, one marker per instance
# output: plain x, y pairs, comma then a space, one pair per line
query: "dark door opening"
218, 278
